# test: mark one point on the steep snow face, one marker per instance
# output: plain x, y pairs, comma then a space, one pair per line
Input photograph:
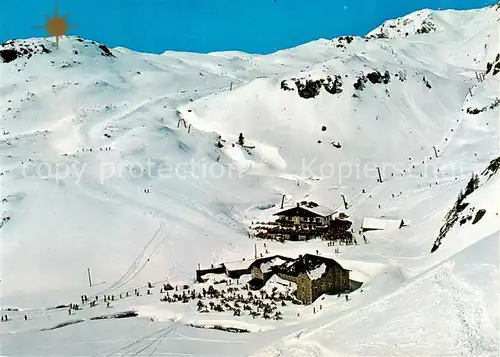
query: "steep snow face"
138, 167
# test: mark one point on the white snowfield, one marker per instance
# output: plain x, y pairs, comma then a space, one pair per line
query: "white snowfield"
99, 172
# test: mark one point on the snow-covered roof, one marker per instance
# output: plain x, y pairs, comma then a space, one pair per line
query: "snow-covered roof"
267, 266
239, 264
386, 224
312, 207
320, 210
317, 272
313, 265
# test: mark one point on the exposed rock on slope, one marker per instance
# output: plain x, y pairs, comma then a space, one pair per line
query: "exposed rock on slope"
13, 50
420, 22
310, 88
462, 211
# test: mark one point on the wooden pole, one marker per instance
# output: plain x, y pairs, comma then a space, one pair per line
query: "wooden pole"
435, 151
189, 128
282, 201
379, 174
470, 92
231, 86
90, 278
345, 202
255, 251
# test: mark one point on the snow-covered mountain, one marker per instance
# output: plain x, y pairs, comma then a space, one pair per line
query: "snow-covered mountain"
128, 164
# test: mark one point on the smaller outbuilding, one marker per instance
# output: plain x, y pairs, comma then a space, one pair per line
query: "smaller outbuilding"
262, 270
382, 224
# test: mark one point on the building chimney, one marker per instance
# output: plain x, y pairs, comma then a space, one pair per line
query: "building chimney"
298, 204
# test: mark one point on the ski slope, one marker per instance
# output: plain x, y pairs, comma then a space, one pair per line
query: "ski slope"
128, 164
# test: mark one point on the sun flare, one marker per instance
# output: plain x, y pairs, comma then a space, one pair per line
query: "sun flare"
57, 26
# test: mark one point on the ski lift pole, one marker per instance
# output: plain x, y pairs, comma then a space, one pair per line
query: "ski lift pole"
90, 278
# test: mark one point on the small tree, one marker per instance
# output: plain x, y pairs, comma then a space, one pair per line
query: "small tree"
241, 139
472, 185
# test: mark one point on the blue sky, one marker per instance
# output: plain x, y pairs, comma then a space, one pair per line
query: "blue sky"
256, 26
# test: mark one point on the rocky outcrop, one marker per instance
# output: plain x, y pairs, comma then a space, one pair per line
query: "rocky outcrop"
417, 23
475, 111
310, 88
13, 50
462, 211
493, 67
374, 77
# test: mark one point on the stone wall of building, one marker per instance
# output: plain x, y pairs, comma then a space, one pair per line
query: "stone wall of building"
257, 273
335, 280
304, 289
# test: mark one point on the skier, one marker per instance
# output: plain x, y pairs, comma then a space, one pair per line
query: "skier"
25, 317
346, 298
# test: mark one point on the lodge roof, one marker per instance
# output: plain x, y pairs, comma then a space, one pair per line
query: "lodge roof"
309, 264
249, 263
303, 207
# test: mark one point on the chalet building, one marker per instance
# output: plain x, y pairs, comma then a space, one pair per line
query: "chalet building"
307, 220
314, 275
382, 224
